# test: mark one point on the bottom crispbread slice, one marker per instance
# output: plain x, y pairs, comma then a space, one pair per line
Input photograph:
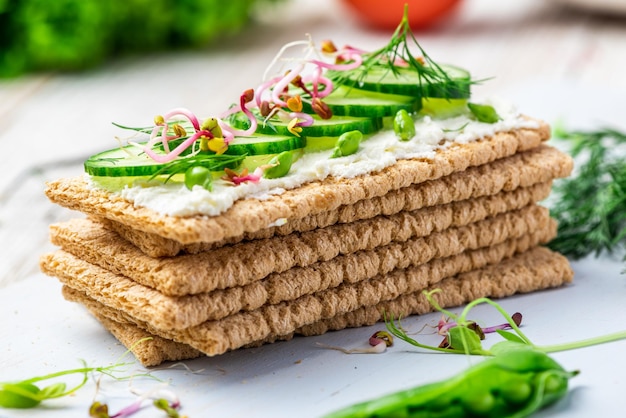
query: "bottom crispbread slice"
535, 269
525, 272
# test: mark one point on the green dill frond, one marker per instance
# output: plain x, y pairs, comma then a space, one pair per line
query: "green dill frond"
590, 206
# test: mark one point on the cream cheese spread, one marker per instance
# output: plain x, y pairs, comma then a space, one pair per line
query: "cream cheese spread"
380, 150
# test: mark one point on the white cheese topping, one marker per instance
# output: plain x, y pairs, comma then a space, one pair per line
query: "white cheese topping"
377, 152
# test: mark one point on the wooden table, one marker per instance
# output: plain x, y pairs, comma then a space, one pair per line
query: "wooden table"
51, 122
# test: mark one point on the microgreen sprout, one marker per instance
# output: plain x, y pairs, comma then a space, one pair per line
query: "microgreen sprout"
245, 176
161, 399
379, 341
28, 393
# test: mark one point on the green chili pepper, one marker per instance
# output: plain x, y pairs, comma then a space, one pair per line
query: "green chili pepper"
515, 383
281, 165
403, 125
347, 144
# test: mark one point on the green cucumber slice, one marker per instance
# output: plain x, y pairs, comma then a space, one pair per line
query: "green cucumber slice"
347, 101
443, 108
258, 144
131, 161
265, 144
407, 82
334, 126
125, 161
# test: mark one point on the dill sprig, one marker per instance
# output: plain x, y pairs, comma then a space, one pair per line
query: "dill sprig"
213, 162
397, 58
590, 206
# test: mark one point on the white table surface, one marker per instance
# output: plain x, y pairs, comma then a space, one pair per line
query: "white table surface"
554, 63
43, 333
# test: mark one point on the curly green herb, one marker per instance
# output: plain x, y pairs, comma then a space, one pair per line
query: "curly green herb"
590, 206
397, 60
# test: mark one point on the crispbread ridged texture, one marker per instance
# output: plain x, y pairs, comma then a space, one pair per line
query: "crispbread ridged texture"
250, 215
176, 313
139, 341
249, 261
539, 165
535, 269
182, 312
539, 268
149, 349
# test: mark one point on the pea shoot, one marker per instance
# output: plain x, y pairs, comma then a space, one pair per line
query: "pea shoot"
29, 393
517, 380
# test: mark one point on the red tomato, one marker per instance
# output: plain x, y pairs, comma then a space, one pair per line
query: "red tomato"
386, 14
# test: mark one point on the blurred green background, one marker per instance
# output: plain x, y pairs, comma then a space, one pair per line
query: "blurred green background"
72, 35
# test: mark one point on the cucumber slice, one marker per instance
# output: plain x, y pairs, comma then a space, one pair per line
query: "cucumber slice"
131, 161
407, 82
346, 101
118, 162
443, 108
259, 144
334, 126
265, 144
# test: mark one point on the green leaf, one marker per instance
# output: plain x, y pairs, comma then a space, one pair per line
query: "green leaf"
510, 336
465, 339
506, 346
53, 391
19, 395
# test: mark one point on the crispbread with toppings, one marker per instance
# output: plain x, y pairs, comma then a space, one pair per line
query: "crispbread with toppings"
538, 165
251, 214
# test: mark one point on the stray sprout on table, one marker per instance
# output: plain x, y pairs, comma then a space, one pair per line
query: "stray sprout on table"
28, 393
464, 336
379, 341
162, 399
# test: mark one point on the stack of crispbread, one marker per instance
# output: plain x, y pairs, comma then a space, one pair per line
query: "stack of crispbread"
325, 256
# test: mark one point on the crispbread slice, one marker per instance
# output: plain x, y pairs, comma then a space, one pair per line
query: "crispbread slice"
250, 215
249, 261
539, 165
180, 313
149, 349
167, 312
535, 269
